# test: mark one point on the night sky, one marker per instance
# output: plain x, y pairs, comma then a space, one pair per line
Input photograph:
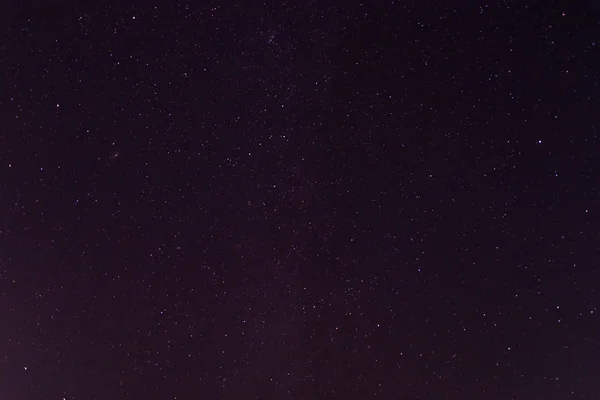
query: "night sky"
299, 200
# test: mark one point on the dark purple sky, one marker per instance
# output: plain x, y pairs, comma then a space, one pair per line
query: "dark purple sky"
299, 200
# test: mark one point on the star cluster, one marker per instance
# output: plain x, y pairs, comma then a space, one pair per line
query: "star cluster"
299, 200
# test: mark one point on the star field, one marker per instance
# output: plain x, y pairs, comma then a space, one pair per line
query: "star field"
300, 200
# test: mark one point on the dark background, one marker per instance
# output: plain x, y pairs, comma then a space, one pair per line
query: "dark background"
299, 200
